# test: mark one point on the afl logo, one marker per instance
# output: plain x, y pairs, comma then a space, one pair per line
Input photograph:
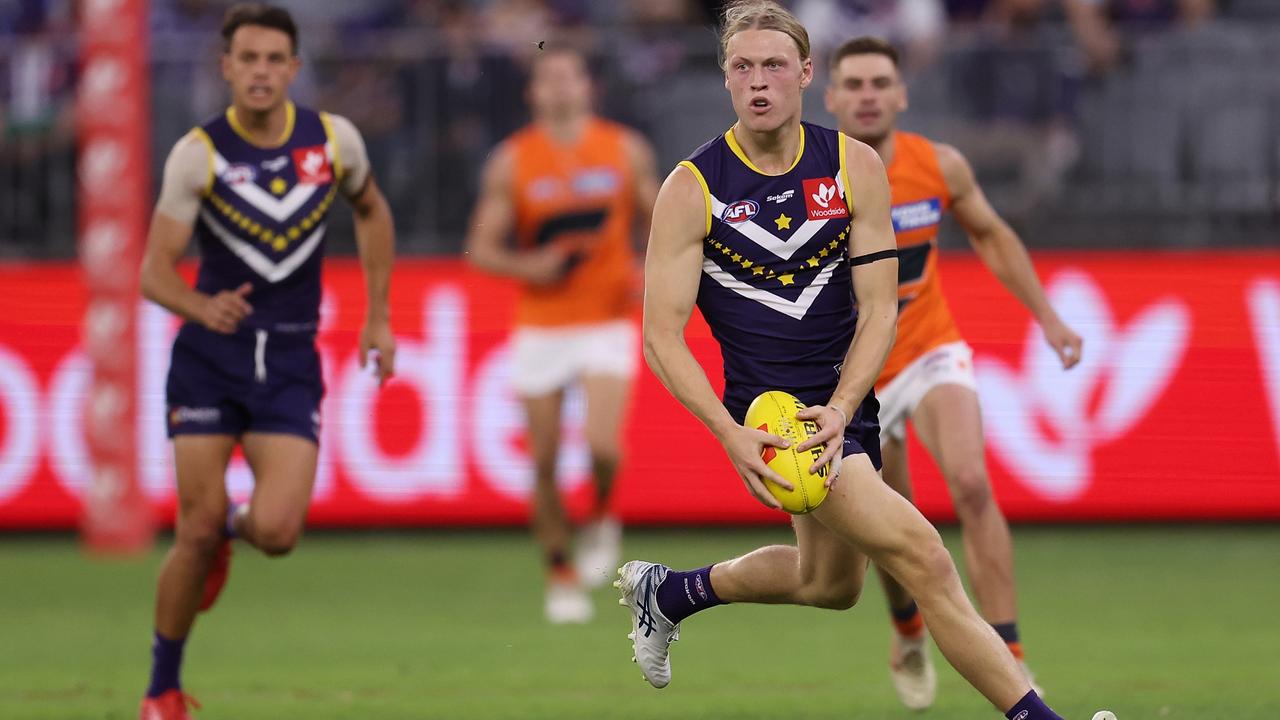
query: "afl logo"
239, 173
740, 211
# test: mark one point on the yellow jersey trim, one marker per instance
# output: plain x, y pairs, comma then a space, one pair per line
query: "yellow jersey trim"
844, 174
737, 150
208, 145
290, 114
706, 191
333, 140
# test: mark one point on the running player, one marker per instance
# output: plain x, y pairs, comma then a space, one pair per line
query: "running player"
928, 377
570, 186
773, 230
255, 184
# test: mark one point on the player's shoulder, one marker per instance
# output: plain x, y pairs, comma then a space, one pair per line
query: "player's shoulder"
339, 123
953, 166
193, 146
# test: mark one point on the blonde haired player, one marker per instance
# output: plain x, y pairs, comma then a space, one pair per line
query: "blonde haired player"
928, 377
570, 186
772, 230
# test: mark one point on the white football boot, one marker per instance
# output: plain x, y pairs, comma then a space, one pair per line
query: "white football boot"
1104, 715
651, 633
568, 603
599, 547
911, 669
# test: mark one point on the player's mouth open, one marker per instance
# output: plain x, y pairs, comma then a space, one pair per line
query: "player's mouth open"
760, 105
867, 116
259, 91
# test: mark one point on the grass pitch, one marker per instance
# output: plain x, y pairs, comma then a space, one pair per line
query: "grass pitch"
1151, 622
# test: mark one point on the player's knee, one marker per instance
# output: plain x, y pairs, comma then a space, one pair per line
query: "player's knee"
835, 596
202, 532
934, 564
278, 539
971, 492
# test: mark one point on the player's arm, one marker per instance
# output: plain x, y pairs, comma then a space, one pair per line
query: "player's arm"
492, 222
873, 255
672, 271
1002, 251
187, 177
375, 242
644, 173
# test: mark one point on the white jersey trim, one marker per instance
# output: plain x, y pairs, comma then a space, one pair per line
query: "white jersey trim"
272, 271
797, 308
279, 210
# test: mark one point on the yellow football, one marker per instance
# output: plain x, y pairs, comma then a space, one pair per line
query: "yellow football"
775, 412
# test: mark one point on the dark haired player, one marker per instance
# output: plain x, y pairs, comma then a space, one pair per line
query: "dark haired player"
928, 376
254, 186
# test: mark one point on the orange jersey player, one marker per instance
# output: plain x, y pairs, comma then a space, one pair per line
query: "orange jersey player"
928, 377
571, 187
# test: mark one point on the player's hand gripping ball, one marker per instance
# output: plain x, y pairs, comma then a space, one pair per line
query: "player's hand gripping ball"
775, 412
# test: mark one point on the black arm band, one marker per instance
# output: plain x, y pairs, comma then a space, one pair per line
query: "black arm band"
874, 257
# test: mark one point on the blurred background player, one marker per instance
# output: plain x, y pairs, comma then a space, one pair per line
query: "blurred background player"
753, 230
255, 184
571, 186
928, 377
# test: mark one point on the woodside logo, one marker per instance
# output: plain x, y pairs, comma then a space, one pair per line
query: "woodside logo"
822, 201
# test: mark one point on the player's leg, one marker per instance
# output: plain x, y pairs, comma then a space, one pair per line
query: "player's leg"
550, 526
200, 462
544, 362
284, 470
821, 570
896, 475
599, 541
910, 667
898, 538
948, 421
566, 600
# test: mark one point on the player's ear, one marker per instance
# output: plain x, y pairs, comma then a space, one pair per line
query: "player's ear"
225, 64
903, 100
806, 72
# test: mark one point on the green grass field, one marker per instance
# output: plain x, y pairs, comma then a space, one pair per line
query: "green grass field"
1152, 622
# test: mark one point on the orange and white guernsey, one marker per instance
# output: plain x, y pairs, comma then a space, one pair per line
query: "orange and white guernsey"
919, 197
579, 196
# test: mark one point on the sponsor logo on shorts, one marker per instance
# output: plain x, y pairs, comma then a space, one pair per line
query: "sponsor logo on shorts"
916, 215
239, 173
822, 201
195, 415
740, 211
687, 593
782, 196
1023, 715
312, 164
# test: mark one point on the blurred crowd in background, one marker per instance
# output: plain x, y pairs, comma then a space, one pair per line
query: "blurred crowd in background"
1092, 123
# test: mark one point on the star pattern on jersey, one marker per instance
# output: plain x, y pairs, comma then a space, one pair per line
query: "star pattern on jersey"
785, 279
783, 222
278, 240
279, 186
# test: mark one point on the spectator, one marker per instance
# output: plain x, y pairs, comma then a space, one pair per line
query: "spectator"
1017, 101
915, 26
1100, 25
